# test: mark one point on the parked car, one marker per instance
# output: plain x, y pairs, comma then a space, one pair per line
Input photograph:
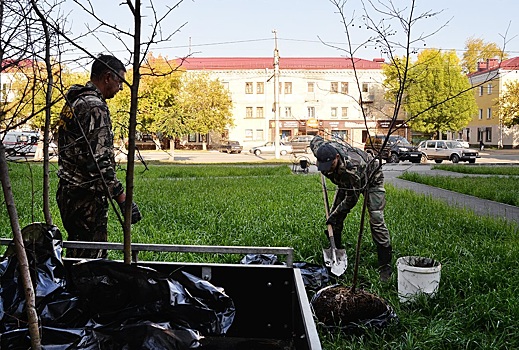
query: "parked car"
20, 142
397, 149
463, 143
230, 147
440, 150
301, 143
269, 147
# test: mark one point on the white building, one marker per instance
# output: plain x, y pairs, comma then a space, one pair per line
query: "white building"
7, 93
316, 95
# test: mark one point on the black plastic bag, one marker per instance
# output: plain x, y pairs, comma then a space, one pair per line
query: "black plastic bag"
314, 276
260, 259
102, 304
43, 247
115, 292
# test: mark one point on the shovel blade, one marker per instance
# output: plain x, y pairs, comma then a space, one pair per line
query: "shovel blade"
336, 260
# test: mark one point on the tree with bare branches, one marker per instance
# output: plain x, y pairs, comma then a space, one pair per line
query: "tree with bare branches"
390, 26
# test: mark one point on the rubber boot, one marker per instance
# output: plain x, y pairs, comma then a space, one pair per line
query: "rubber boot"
385, 255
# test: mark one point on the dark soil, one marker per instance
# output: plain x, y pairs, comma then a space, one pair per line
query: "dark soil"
421, 262
339, 306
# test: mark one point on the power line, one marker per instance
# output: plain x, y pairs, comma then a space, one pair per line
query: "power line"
234, 42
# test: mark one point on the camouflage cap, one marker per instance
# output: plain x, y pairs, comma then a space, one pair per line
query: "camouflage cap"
325, 156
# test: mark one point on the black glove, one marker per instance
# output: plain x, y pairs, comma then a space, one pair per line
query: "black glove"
136, 214
332, 220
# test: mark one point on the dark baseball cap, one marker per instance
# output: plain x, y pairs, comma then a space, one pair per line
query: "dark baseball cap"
325, 157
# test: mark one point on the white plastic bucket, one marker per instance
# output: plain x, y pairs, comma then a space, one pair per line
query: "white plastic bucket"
417, 275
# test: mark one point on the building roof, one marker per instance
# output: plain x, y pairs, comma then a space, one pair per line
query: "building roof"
493, 64
510, 64
233, 63
10, 65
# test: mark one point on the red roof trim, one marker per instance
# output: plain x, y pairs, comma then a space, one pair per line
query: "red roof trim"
228, 63
509, 64
10, 65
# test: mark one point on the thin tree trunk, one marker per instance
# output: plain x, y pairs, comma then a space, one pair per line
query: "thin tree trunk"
359, 241
30, 300
48, 104
131, 131
172, 148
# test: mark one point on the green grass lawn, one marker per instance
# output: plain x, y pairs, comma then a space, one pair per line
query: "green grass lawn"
480, 169
500, 183
477, 306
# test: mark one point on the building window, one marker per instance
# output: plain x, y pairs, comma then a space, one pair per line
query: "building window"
333, 112
248, 112
288, 88
260, 88
340, 134
334, 86
481, 90
311, 87
488, 134
259, 112
248, 88
344, 88
288, 112
489, 113
480, 113
344, 112
258, 135
489, 89
365, 87
311, 112
4, 94
248, 134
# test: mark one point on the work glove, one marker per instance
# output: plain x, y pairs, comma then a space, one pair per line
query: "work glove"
332, 220
136, 214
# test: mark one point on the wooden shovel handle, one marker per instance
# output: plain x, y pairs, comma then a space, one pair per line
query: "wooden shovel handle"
325, 196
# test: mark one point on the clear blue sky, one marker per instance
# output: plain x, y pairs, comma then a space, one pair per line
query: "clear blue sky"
244, 27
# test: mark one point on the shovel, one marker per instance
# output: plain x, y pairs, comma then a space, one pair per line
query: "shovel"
334, 258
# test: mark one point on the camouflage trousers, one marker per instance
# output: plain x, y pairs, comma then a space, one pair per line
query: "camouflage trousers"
375, 207
85, 218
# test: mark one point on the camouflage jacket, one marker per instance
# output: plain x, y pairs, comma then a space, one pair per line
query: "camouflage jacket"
358, 170
85, 124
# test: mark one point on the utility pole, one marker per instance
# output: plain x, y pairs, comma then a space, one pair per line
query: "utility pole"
276, 95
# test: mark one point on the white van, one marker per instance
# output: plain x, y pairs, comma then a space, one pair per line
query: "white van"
20, 142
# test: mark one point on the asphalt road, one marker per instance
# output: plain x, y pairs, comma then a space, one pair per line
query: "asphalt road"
487, 157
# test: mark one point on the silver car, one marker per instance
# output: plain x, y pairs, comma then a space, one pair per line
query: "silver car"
463, 143
269, 147
440, 150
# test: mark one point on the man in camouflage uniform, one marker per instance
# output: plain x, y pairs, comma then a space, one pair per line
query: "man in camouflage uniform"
87, 174
355, 172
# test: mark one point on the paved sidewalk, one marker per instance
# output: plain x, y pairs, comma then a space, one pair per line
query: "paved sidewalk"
481, 207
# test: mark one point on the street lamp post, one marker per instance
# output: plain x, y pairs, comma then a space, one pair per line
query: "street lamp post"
276, 95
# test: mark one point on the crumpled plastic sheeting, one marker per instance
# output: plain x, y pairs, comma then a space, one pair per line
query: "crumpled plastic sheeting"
102, 304
114, 292
314, 276
260, 259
